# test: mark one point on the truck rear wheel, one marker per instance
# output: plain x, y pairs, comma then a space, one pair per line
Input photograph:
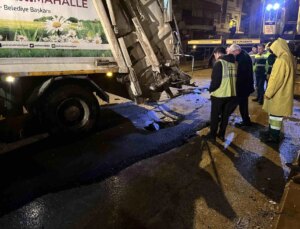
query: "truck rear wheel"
70, 110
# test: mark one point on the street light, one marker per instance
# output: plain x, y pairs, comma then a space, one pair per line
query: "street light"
276, 6
10, 79
269, 7
272, 10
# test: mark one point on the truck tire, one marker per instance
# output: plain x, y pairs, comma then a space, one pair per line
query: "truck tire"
70, 111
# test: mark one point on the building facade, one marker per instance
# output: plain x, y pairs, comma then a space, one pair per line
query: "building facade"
207, 18
286, 17
230, 9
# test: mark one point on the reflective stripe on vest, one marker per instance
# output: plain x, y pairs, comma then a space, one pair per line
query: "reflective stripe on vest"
260, 63
261, 59
228, 84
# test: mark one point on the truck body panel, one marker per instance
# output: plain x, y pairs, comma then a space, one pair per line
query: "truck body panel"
132, 42
44, 38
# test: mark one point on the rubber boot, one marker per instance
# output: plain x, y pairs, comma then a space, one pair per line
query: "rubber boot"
275, 135
270, 136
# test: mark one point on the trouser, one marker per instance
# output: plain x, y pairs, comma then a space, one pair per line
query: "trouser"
260, 80
243, 106
221, 109
275, 124
232, 32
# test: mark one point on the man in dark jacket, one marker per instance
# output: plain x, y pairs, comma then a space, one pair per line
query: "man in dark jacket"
223, 92
244, 84
270, 59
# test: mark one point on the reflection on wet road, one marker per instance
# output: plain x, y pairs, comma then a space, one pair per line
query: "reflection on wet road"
51, 165
102, 181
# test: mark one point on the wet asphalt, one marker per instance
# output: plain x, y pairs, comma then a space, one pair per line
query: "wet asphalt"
125, 176
126, 134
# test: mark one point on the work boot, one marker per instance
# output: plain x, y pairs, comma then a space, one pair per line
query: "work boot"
221, 137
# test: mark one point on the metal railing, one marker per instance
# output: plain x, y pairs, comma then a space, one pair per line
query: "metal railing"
193, 60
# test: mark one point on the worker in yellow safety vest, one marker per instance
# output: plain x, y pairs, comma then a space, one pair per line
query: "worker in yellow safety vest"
252, 55
223, 93
259, 68
232, 27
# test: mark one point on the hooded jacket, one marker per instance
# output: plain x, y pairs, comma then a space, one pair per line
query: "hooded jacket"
280, 87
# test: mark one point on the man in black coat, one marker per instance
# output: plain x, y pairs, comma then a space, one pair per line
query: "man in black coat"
245, 83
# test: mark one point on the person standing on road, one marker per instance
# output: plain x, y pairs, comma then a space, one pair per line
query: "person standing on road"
244, 84
252, 55
270, 60
223, 92
280, 90
253, 52
260, 73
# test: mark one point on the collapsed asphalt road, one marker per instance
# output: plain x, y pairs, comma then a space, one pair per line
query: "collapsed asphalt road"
102, 182
122, 139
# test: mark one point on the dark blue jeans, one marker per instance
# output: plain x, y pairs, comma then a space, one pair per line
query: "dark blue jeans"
260, 81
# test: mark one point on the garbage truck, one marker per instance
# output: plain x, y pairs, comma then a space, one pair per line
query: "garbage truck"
59, 57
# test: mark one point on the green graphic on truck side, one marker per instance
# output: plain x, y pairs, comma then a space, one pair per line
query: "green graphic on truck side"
22, 53
64, 31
